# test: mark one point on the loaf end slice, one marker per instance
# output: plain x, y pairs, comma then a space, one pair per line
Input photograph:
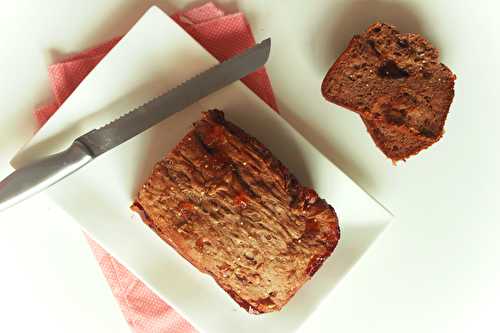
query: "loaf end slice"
224, 203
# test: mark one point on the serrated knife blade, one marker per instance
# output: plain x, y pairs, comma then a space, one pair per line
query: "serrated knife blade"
37, 176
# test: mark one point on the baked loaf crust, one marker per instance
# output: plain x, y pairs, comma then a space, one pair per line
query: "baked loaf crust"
235, 212
398, 86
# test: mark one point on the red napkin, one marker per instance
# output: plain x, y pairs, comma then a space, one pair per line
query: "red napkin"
223, 36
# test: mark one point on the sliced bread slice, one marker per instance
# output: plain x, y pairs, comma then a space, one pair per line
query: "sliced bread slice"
394, 80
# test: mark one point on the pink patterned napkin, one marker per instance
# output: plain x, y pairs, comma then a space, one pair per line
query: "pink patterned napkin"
223, 36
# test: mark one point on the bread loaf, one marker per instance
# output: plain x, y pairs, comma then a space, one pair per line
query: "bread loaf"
224, 203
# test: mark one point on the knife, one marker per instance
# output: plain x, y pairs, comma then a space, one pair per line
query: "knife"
35, 177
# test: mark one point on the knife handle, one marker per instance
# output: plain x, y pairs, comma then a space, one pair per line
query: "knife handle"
35, 177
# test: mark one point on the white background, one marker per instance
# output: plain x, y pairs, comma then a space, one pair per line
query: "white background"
437, 268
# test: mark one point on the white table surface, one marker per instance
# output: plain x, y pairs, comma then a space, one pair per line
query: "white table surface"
436, 269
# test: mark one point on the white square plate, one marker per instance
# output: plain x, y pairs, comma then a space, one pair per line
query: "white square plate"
154, 56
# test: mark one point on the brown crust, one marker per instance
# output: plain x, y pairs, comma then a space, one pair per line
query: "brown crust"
219, 184
401, 64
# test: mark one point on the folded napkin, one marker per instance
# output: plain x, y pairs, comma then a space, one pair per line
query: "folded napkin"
223, 36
